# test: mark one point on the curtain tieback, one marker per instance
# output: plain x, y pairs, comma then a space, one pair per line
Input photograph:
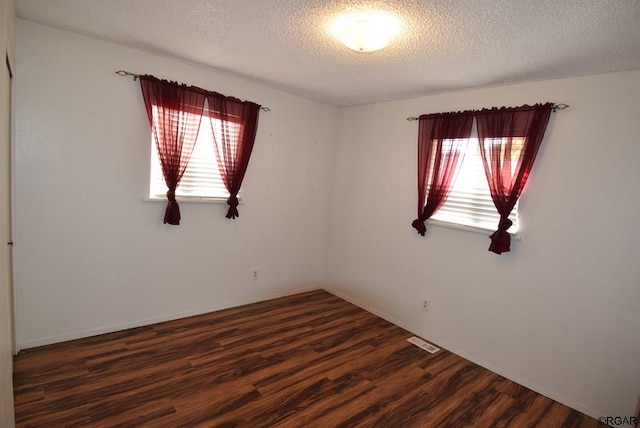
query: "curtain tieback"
233, 207
419, 226
500, 239
172, 213
504, 224
232, 201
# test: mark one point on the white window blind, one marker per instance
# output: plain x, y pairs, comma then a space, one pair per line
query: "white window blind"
201, 178
470, 203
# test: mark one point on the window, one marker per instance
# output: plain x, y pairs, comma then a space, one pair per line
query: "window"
469, 203
201, 179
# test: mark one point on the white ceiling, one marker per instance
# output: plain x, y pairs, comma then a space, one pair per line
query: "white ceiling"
445, 44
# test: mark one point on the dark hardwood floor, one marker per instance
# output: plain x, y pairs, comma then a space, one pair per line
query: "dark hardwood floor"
308, 360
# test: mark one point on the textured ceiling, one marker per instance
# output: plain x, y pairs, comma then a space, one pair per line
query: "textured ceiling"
444, 45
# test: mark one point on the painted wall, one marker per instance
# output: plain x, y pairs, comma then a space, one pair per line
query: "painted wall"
7, 33
559, 313
91, 256
556, 314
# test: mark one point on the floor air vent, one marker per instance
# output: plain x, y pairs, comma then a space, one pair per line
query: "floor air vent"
424, 345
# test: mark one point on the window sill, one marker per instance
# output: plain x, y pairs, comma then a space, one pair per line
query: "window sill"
474, 229
191, 200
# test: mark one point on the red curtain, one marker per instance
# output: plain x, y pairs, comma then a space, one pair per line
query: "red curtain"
442, 142
509, 141
233, 124
174, 113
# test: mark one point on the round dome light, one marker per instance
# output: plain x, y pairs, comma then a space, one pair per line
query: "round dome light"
367, 31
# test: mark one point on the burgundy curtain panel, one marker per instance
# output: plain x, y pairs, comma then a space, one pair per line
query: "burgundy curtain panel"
233, 124
509, 141
174, 113
442, 142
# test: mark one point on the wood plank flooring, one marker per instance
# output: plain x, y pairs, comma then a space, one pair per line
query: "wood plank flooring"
307, 360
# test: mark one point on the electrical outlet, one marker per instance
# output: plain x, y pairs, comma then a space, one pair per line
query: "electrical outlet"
425, 305
254, 275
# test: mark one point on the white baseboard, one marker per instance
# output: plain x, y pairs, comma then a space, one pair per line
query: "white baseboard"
154, 320
479, 361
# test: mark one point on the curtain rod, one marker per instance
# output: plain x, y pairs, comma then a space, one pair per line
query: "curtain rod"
559, 106
136, 76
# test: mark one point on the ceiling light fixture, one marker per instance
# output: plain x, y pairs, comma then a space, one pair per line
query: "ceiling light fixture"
365, 31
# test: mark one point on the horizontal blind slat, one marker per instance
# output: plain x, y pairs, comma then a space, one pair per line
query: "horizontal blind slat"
201, 177
469, 202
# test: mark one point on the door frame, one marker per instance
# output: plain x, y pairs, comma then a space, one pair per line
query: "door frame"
10, 210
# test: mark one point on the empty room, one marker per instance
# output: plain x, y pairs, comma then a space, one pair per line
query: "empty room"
320, 213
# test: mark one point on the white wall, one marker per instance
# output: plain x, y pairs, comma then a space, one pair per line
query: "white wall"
559, 313
556, 314
91, 256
